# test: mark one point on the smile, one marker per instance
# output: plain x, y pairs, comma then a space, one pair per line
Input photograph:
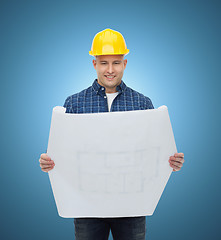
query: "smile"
109, 77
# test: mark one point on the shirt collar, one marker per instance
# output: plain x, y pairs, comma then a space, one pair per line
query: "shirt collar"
97, 87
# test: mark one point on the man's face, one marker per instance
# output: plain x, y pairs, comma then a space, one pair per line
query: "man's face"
110, 70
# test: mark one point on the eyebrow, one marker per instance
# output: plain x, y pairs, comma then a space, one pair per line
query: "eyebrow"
113, 61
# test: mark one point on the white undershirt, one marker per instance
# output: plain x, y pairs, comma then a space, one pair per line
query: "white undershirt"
110, 98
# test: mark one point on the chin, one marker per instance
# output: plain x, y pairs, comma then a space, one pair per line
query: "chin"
112, 84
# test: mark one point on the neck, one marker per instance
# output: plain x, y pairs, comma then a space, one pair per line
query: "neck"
110, 90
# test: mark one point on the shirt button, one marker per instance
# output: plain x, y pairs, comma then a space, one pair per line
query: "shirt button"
105, 96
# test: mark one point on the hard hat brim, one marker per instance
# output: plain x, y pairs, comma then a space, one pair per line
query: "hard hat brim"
108, 53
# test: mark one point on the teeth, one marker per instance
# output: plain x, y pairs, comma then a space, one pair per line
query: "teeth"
110, 77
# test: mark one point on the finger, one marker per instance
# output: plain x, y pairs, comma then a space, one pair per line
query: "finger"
175, 168
179, 155
46, 166
177, 164
176, 159
181, 160
42, 161
46, 169
45, 157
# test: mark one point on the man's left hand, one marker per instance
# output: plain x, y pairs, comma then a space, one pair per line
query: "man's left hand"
176, 161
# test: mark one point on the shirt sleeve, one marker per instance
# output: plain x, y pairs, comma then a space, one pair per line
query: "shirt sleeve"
68, 105
148, 103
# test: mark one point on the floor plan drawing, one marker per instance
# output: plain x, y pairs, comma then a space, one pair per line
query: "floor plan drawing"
119, 172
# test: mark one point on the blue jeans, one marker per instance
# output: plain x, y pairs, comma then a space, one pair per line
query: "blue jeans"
126, 228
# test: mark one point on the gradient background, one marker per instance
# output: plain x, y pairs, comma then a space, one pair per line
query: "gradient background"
174, 59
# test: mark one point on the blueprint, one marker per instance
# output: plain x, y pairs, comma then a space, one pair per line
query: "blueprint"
112, 164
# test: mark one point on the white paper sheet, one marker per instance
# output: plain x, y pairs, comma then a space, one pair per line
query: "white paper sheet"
112, 164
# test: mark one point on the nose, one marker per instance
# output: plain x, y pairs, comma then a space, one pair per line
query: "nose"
110, 69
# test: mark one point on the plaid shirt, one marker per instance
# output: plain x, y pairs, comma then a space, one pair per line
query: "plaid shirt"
94, 100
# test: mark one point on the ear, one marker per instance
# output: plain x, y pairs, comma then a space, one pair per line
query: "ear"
125, 63
94, 63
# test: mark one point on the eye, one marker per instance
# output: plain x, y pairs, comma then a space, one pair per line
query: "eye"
117, 63
103, 63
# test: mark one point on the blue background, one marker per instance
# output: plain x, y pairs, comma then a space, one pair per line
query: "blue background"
174, 59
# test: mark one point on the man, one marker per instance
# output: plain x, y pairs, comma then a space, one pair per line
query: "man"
109, 93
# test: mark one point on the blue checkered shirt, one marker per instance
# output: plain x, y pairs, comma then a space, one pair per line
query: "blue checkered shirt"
94, 100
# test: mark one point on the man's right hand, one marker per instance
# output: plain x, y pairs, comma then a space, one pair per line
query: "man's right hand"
46, 163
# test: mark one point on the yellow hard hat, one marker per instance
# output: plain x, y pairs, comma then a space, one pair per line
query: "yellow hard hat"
108, 42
